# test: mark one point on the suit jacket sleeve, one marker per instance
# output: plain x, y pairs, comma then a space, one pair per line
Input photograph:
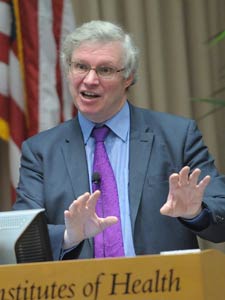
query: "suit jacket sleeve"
196, 155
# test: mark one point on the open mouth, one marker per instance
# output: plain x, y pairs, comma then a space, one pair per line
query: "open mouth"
89, 95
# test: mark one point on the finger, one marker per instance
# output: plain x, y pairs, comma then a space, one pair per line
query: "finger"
193, 179
174, 181
107, 222
184, 175
166, 210
203, 183
68, 216
92, 201
79, 202
82, 199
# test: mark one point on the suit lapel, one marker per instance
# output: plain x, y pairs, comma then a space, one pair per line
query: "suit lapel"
141, 139
75, 159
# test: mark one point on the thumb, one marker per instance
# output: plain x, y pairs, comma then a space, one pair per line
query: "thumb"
107, 222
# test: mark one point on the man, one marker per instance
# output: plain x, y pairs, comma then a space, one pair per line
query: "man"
169, 189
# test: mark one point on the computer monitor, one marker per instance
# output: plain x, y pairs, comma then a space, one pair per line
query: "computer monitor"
24, 237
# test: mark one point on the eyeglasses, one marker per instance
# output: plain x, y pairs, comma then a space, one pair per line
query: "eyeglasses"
82, 69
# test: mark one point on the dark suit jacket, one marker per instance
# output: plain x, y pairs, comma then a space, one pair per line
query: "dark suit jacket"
54, 172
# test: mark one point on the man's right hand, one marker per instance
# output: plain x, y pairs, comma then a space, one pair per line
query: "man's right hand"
81, 220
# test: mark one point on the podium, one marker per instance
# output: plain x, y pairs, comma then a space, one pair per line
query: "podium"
180, 276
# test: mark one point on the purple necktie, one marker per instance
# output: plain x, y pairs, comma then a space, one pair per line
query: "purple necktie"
108, 243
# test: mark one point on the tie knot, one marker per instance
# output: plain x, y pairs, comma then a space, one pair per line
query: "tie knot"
100, 133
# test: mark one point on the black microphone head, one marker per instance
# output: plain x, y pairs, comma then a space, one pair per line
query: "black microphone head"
96, 178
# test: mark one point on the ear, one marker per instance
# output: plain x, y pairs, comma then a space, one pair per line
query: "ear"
129, 80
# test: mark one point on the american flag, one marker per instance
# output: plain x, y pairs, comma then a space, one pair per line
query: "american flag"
33, 90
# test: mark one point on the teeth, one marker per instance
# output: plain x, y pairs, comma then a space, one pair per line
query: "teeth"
89, 94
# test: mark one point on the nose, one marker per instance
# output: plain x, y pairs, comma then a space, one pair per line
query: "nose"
91, 77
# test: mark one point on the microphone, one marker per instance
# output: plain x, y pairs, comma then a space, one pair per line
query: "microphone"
96, 178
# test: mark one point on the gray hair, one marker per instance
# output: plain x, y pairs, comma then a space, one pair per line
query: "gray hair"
102, 31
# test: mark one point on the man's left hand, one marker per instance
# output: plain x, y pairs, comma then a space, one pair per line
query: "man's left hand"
185, 194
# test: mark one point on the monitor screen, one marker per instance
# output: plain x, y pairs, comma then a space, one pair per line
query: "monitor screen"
24, 237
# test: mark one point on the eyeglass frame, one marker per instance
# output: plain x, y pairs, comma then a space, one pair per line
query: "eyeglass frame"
85, 73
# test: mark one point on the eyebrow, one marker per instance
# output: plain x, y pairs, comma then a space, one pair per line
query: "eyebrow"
108, 63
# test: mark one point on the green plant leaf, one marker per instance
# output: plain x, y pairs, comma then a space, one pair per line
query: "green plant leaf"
214, 101
217, 38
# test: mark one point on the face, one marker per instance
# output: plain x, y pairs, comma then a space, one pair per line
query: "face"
97, 98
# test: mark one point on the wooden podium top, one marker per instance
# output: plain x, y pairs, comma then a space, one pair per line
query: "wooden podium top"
189, 276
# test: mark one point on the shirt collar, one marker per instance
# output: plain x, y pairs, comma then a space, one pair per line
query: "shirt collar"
119, 124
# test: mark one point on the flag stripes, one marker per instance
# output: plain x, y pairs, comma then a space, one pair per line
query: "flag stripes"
33, 92
5, 25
